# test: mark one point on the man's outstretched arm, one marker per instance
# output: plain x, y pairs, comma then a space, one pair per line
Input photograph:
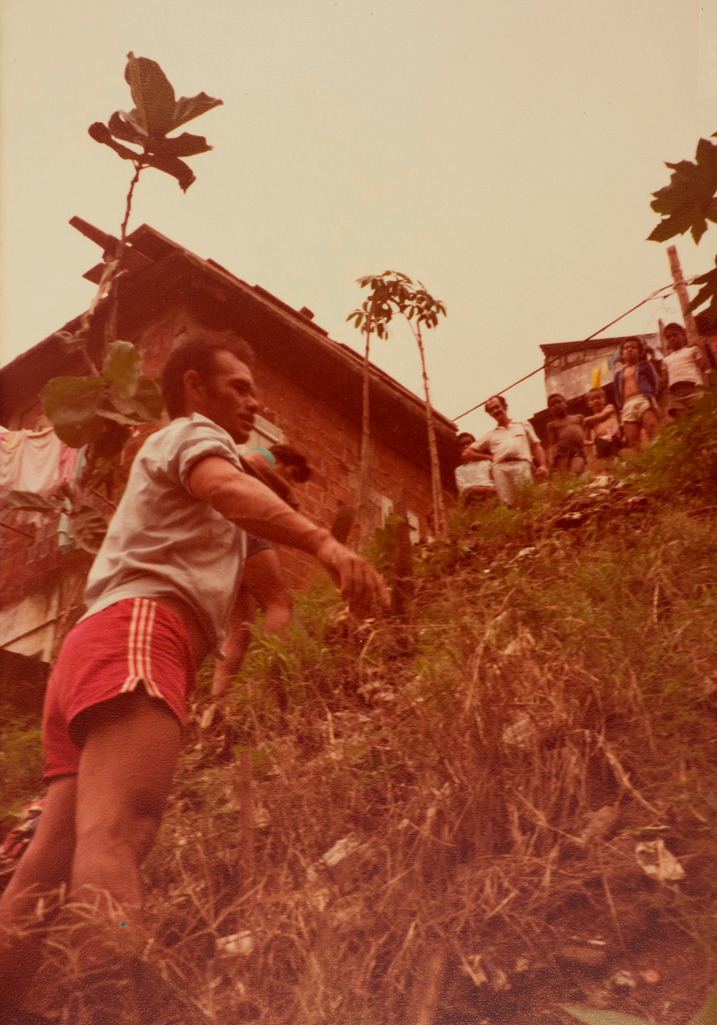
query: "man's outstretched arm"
254, 507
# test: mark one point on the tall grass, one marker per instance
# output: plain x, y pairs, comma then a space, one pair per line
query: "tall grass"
432, 820
490, 787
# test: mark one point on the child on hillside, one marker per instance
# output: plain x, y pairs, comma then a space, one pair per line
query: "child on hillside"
603, 425
473, 479
684, 369
566, 437
636, 388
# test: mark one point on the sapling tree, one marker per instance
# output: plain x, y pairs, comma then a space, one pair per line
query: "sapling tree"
374, 315
393, 292
101, 409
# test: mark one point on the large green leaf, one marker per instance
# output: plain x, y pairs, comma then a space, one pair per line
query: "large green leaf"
185, 145
72, 400
148, 400
687, 203
101, 133
125, 419
143, 407
88, 528
122, 368
708, 291
171, 165
85, 433
593, 1016
189, 107
152, 94
125, 126
31, 500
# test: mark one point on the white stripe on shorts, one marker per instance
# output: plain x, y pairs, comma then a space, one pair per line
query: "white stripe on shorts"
139, 648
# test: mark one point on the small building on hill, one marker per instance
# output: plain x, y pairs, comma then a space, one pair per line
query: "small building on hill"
572, 369
310, 386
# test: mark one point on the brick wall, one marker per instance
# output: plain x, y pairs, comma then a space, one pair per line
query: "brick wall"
29, 555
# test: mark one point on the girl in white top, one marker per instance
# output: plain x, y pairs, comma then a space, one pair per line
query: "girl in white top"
684, 366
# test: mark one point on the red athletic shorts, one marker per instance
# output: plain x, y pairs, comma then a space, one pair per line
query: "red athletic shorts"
134, 641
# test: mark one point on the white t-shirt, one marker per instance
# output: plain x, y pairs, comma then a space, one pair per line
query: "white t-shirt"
164, 542
682, 365
474, 475
508, 443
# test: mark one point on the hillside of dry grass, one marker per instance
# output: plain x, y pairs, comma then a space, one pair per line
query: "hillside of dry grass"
474, 815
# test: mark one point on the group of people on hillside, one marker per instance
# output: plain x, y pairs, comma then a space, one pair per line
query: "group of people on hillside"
647, 391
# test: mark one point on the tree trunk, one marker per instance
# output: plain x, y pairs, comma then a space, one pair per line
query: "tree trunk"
363, 507
439, 509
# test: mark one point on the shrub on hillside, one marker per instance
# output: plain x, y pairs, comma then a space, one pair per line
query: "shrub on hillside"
684, 456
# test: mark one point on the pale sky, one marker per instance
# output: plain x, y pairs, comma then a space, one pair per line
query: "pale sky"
502, 151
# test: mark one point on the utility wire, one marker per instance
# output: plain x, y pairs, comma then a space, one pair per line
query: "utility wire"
576, 347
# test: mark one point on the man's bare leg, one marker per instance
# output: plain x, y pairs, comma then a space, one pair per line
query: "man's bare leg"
43, 867
124, 778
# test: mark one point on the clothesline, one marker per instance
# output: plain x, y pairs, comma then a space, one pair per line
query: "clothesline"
577, 346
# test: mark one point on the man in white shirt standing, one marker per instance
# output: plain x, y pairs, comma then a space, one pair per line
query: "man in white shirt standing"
684, 365
512, 447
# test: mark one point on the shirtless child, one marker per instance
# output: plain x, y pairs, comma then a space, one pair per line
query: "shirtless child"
566, 438
603, 425
636, 387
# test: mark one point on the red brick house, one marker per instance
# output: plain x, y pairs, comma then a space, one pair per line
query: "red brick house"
309, 384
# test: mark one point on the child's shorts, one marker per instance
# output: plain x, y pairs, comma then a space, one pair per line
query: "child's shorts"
109, 653
634, 407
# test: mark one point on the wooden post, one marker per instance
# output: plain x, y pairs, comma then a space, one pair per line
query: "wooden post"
246, 815
664, 395
693, 335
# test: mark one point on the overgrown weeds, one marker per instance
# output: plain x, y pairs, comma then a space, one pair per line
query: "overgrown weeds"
439, 823
684, 455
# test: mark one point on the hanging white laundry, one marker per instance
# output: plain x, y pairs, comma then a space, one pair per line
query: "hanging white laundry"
34, 460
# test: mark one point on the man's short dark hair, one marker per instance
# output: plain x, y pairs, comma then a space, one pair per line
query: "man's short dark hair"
197, 353
556, 395
465, 434
498, 398
290, 456
598, 391
674, 326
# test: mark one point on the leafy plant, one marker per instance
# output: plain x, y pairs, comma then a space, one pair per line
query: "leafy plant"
393, 292
88, 526
100, 409
156, 112
684, 455
687, 204
84, 410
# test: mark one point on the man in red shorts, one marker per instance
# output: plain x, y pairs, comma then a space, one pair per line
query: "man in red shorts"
158, 596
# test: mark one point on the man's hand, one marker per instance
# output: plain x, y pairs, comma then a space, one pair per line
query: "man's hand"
253, 507
470, 455
541, 471
355, 578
